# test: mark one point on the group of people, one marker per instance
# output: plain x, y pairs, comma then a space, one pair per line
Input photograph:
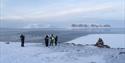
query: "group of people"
49, 41
52, 40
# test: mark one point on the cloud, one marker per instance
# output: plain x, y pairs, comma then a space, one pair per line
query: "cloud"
36, 25
73, 11
61, 13
65, 13
32, 26
11, 18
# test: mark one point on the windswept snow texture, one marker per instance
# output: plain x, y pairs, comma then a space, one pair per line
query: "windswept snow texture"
113, 40
63, 53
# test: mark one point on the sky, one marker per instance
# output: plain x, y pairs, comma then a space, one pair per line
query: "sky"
60, 13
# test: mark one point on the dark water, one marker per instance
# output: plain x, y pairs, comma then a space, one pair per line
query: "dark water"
37, 35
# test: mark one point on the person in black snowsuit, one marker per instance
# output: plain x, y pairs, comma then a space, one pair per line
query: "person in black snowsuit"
22, 37
46, 40
56, 39
100, 43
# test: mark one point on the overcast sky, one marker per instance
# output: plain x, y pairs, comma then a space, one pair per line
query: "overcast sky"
62, 13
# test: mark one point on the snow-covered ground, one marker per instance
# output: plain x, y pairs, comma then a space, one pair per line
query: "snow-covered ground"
63, 53
113, 40
70, 52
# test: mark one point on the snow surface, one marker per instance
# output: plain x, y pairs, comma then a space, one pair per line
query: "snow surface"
63, 53
113, 40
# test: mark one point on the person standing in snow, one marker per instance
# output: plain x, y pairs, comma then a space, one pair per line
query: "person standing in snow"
46, 40
22, 37
52, 40
56, 39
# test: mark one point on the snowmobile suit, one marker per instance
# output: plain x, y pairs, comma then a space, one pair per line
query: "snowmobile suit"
100, 43
22, 37
46, 41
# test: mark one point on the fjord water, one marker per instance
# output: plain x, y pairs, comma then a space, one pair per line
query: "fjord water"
37, 35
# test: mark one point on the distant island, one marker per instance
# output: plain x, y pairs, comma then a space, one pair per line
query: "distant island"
91, 25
